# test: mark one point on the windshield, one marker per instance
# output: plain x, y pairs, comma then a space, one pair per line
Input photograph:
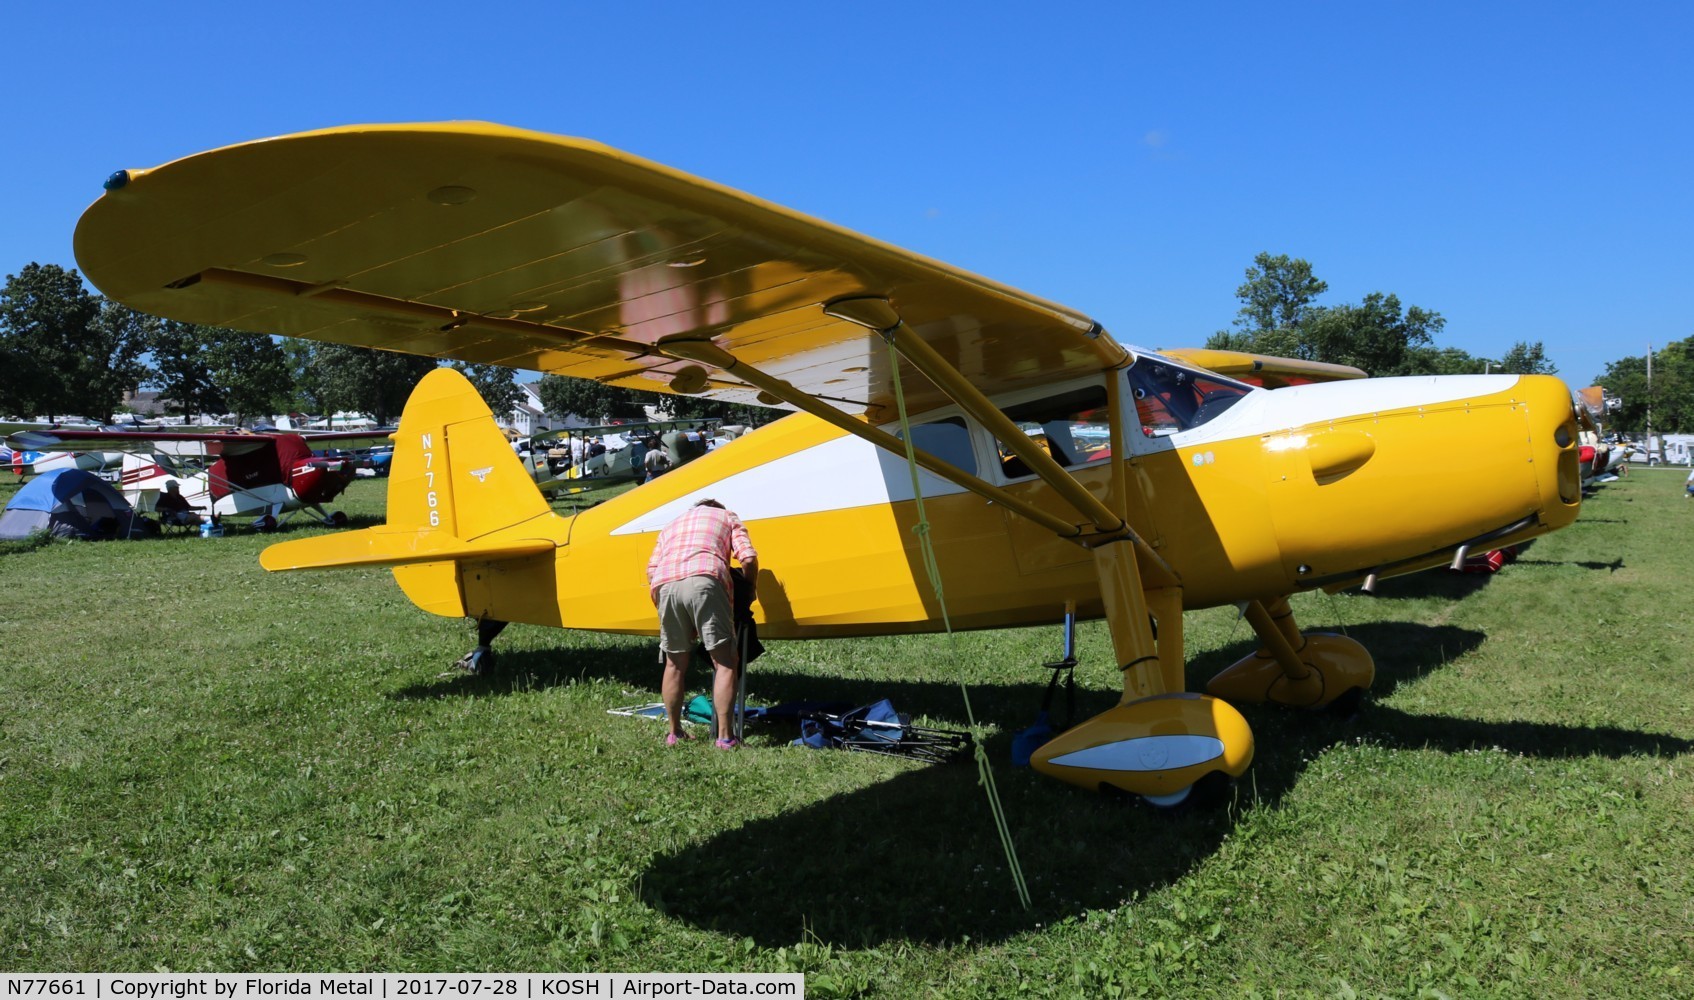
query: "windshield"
1170, 398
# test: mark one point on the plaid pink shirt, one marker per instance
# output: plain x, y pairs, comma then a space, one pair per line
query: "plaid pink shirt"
698, 543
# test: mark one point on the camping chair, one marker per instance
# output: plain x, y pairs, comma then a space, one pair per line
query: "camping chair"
171, 526
878, 728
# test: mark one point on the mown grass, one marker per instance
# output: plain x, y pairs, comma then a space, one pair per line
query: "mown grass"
203, 766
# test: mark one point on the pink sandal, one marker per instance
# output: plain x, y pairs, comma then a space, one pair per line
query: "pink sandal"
729, 744
671, 739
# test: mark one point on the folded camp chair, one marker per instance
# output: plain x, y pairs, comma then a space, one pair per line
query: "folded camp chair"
878, 728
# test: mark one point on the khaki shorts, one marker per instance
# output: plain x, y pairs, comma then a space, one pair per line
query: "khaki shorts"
694, 608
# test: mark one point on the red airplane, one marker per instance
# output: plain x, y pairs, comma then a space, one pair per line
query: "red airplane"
260, 475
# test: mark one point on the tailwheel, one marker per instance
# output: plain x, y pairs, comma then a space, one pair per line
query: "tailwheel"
480, 661
477, 662
1165, 749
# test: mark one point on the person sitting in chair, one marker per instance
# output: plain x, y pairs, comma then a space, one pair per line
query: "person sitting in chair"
173, 508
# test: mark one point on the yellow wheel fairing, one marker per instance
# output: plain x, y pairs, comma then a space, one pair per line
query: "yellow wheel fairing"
1156, 747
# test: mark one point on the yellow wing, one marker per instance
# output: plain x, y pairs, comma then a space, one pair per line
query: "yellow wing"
490, 244
1262, 369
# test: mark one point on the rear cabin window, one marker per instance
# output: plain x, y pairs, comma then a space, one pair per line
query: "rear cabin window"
1169, 399
1074, 427
947, 439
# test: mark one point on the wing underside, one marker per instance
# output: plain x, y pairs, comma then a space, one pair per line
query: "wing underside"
488, 244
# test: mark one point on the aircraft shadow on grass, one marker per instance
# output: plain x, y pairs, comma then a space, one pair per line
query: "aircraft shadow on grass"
915, 857
1610, 567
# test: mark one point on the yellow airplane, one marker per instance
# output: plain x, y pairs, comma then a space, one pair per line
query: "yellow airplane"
1058, 464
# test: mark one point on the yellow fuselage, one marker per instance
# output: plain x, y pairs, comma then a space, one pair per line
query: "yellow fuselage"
1314, 486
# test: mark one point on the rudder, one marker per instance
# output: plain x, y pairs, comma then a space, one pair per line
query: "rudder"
453, 470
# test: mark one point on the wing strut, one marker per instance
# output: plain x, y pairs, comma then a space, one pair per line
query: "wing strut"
709, 353
877, 315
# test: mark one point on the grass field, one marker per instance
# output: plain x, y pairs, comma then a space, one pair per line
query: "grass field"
207, 767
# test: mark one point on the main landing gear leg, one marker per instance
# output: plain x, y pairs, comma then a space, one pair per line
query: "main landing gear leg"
480, 660
1300, 670
1159, 742
330, 519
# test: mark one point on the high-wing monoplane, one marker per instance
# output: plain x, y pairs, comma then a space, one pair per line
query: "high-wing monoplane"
1057, 464
259, 475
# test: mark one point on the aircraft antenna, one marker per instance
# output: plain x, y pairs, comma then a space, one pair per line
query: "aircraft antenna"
985, 773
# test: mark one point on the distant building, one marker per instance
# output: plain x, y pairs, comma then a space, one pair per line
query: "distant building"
145, 403
530, 417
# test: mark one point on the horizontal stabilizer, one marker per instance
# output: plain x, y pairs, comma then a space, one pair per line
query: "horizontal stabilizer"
386, 547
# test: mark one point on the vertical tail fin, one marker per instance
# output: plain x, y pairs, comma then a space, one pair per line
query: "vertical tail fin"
453, 470
454, 487
142, 472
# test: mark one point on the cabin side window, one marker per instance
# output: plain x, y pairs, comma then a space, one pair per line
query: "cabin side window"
947, 439
1169, 398
1074, 427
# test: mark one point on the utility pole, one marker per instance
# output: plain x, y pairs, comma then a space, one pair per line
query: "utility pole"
1650, 403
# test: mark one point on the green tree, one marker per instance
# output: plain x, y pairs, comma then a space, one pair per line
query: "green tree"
56, 351
251, 372
1277, 294
1671, 395
1527, 359
366, 380
497, 384
302, 370
1445, 361
598, 402
1375, 335
1278, 316
117, 342
682, 407
591, 400
182, 367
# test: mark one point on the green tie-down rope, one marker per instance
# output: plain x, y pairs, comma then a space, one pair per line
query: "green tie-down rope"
985, 774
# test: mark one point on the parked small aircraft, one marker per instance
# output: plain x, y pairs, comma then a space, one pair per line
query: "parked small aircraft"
24, 460
681, 441
250, 475
1059, 465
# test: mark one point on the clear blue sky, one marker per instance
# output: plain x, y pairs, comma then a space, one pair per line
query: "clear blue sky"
1524, 169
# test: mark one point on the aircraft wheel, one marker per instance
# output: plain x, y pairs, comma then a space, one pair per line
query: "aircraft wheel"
477, 662
264, 523
337, 519
1348, 704
1207, 793
1170, 801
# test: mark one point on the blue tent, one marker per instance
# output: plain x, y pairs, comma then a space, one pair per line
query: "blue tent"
69, 503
